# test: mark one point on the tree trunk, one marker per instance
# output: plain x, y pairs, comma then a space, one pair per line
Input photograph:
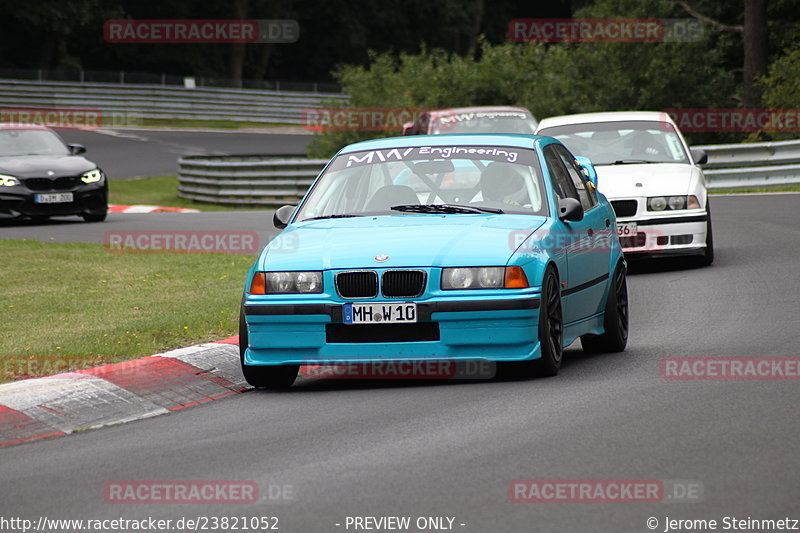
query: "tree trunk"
475, 31
755, 49
238, 50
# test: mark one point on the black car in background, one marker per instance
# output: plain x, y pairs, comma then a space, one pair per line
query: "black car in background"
41, 176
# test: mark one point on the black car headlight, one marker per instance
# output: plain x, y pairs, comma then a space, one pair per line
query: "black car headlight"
8, 181
92, 176
306, 282
672, 203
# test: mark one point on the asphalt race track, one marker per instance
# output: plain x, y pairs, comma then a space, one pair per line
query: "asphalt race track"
451, 449
73, 229
135, 153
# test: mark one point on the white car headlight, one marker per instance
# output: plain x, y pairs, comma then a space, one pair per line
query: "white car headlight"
672, 203
677, 202
8, 181
93, 176
659, 203
306, 282
512, 277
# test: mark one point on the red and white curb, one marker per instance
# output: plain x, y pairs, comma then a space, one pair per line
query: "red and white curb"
148, 209
113, 394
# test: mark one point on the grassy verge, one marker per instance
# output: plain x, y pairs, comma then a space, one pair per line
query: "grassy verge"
210, 124
69, 306
788, 188
159, 190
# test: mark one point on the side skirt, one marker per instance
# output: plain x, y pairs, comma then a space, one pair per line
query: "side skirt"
590, 325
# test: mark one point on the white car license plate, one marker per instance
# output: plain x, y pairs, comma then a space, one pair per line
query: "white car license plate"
54, 198
626, 229
385, 313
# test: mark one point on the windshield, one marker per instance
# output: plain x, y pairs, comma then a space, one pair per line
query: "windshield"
608, 143
485, 122
30, 142
473, 178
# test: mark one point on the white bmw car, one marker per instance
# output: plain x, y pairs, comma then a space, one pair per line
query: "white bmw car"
650, 176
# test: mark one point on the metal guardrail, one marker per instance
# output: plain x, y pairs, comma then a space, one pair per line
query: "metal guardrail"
270, 181
121, 103
128, 77
273, 181
745, 165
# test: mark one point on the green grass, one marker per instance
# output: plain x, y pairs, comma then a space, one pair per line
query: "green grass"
159, 190
68, 306
788, 188
208, 124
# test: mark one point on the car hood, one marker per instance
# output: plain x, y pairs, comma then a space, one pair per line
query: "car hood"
38, 166
653, 179
407, 240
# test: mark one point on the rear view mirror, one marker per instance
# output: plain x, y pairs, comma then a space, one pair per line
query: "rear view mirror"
699, 156
433, 167
76, 149
570, 210
282, 216
588, 169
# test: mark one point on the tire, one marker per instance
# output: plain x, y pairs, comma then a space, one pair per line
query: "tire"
615, 319
264, 377
95, 217
552, 350
551, 326
707, 257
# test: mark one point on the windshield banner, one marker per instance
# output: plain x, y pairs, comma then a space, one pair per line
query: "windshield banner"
504, 154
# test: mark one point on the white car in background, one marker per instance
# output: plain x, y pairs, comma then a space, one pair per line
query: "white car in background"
650, 176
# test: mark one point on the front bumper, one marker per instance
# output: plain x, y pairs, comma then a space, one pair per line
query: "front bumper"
495, 329
666, 235
20, 201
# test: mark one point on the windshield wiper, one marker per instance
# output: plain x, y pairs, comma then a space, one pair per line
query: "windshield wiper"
445, 208
330, 216
632, 162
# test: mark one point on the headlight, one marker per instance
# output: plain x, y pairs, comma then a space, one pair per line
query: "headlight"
93, 176
677, 202
8, 181
483, 278
660, 203
308, 282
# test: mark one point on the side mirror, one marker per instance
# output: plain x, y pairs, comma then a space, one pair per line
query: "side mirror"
282, 216
588, 169
76, 149
699, 156
570, 210
408, 128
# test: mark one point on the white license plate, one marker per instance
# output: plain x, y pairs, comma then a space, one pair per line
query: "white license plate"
386, 313
54, 198
626, 229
